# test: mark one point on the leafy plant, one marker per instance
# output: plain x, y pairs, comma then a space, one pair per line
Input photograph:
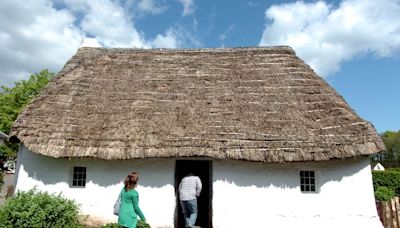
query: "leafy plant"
383, 193
112, 225
391, 156
389, 179
39, 209
13, 100
140, 224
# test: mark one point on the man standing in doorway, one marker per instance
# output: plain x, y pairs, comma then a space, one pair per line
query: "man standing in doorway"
189, 190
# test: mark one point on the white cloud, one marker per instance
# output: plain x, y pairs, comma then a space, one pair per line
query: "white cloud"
107, 21
151, 6
34, 35
188, 7
169, 40
141, 8
325, 36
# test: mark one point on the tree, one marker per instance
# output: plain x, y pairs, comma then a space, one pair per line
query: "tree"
391, 156
13, 100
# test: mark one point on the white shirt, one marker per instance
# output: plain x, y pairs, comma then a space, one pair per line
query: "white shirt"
189, 188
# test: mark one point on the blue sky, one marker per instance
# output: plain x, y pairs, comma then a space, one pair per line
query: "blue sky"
353, 44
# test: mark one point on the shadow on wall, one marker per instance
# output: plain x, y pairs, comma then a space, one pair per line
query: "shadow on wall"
160, 172
286, 175
152, 172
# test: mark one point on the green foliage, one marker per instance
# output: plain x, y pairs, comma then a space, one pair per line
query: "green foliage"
39, 209
383, 193
8, 149
393, 169
112, 225
13, 100
391, 156
389, 179
140, 224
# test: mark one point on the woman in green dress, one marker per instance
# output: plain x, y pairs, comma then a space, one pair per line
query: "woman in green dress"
129, 208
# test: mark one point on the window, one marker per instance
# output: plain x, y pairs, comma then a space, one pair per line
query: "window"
307, 181
79, 177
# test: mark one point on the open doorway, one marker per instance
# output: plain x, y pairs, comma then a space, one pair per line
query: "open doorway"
201, 169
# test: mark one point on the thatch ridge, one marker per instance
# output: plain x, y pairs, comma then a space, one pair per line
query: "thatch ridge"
256, 104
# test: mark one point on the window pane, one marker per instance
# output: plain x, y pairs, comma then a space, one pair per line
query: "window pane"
79, 176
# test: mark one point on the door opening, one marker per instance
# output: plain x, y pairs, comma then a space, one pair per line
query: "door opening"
201, 169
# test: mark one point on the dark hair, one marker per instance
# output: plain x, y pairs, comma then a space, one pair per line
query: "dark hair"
131, 181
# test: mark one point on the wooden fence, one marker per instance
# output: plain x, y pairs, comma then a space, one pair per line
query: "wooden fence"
389, 212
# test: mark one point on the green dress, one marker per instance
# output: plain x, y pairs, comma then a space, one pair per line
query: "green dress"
129, 209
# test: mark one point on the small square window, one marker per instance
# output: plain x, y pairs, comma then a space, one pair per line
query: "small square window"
307, 181
79, 177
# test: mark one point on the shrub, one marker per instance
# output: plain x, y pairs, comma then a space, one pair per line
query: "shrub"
39, 209
384, 193
112, 225
140, 224
393, 169
389, 179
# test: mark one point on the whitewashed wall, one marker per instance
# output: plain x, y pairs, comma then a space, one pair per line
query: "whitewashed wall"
268, 195
104, 182
245, 194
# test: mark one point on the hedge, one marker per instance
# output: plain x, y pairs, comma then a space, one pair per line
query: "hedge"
389, 179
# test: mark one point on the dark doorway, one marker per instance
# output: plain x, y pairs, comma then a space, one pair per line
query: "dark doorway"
201, 169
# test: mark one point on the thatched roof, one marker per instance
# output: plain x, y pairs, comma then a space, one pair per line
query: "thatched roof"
256, 104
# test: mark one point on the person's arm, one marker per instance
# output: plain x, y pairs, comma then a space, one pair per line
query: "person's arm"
198, 186
136, 206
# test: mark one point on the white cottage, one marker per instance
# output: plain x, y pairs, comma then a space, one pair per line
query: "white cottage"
274, 144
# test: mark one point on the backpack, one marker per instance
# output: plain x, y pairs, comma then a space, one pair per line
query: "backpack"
117, 204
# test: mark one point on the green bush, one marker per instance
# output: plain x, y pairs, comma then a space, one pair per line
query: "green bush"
393, 169
389, 179
39, 209
112, 225
140, 224
384, 193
